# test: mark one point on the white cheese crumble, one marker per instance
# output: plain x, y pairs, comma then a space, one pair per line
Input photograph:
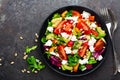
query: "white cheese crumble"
73, 38
92, 41
55, 54
65, 35
74, 18
84, 61
93, 25
99, 58
85, 14
50, 29
48, 43
91, 48
75, 50
64, 61
68, 50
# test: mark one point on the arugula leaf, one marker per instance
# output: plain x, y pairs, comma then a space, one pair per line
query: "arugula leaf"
34, 64
73, 59
92, 60
29, 49
43, 39
69, 14
49, 23
82, 67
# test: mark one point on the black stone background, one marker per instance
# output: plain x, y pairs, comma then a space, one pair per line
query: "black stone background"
25, 18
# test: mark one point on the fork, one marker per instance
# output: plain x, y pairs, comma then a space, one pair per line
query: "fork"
111, 23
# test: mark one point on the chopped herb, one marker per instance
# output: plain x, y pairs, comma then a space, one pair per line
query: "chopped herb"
34, 64
29, 49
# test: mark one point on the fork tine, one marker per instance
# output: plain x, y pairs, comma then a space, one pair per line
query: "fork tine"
104, 14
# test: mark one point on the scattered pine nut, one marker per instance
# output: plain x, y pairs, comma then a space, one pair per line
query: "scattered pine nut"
0, 59
15, 54
12, 62
22, 71
21, 37
35, 71
36, 35
25, 57
36, 40
24, 53
28, 71
0, 64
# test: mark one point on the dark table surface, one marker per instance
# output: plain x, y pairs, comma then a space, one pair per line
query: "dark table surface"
24, 18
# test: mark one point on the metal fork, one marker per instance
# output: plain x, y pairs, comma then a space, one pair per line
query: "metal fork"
111, 24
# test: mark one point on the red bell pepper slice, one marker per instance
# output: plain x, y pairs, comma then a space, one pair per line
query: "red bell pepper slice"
92, 18
62, 52
94, 32
82, 51
76, 13
99, 45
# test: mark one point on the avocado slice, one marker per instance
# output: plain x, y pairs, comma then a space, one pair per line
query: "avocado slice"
66, 67
101, 32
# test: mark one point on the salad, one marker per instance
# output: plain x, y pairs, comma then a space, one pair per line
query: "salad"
74, 41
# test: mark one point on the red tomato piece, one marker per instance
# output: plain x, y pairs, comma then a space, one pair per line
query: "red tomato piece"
99, 45
84, 26
78, 25
85, 44
68, 28
92, 18
58, 30
62, 52
70, 43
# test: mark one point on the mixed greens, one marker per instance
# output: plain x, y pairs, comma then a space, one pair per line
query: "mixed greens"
33, 63
74, 41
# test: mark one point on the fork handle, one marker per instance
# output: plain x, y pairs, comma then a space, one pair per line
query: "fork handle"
116, 59
117, 63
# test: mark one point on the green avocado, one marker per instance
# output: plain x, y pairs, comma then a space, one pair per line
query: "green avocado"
66, 67
100, 32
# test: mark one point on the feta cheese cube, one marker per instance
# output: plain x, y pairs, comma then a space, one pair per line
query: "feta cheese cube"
68, 50
84, 61
85, 14
65, 35
64, 61
74, 18
91, 48
73, 38
99, 58
92, 41
48, 43
55, 54
50, 29
93, 25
